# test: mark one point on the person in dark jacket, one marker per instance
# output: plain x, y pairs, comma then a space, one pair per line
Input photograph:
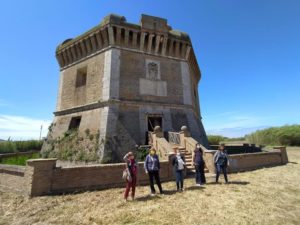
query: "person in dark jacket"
178, 162
221, 162
132, 168
152, 167
199, 164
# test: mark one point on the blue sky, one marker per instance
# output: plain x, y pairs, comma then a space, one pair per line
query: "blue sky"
248, 52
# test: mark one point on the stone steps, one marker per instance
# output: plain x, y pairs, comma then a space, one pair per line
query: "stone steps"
188, 160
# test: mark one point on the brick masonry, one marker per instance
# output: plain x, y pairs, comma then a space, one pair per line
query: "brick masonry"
42, 176
128, 78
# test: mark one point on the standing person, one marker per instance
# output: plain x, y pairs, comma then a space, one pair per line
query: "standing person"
152, 168
221, 162
199, 164
178, 162
131, 180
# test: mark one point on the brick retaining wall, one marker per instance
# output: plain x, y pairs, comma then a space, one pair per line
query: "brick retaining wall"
42, 176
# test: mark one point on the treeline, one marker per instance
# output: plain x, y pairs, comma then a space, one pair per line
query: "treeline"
217, 139
20, 146
285, 135
288, 135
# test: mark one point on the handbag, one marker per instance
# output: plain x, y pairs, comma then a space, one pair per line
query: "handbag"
126, 175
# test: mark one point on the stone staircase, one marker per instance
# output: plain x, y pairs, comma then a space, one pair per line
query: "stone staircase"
188, 160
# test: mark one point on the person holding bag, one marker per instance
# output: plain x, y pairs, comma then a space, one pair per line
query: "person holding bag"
130, 175
221, 162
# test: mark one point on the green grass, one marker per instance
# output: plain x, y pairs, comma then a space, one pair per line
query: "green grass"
19, 160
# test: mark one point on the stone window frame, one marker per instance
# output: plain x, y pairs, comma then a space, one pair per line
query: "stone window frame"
74, 123
147, 62
81, 77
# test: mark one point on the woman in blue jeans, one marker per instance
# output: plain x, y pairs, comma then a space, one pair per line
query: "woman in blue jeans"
199, 164
152, 167
178, 162
221, 162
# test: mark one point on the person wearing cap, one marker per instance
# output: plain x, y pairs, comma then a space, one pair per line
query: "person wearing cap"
221, 162
132, 168
152, 167
178, 162
199, 164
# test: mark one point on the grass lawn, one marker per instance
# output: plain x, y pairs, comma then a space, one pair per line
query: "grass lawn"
264, 196
19, 160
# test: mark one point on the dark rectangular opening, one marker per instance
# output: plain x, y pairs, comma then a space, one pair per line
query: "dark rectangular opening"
81, 77
75, 122
154, 121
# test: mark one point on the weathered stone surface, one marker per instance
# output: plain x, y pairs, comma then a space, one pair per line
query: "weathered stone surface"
119, 77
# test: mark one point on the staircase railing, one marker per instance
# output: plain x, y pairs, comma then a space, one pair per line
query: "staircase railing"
174, 137
160, 144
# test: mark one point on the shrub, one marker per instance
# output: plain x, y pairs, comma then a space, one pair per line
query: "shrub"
142, 152
215, 139
8, 147
284, 135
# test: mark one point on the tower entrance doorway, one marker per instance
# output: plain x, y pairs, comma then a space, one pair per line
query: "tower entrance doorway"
154, 121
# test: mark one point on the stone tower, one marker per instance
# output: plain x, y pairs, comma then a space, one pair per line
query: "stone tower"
122, 79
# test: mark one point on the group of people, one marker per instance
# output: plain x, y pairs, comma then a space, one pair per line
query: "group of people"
152, 168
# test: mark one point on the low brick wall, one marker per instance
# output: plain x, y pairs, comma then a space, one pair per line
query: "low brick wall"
42, 177
249, 161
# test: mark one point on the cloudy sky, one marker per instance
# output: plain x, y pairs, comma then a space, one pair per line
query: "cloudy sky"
248, 52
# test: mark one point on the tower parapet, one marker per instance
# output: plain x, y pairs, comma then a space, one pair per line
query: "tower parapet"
152, 36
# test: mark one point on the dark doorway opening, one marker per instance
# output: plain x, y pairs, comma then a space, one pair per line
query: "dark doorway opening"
75, 122
154, 121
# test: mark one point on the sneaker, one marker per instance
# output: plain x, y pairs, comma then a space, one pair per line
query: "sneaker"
182, 189
198, 185
152, 194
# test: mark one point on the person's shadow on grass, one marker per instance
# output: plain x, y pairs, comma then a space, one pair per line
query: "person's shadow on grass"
230, 182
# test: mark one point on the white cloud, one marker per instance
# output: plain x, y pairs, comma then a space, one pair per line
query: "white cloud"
22, 128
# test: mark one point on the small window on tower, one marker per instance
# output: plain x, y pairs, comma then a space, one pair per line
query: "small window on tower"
75, 122
81, 77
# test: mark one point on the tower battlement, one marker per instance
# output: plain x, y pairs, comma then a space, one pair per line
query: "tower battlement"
152, 36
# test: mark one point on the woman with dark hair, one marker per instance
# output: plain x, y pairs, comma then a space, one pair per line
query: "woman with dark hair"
199, 164
221, 162
132, 167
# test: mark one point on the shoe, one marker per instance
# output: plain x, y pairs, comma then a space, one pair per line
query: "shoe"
198, 185
182, 189
152, 194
